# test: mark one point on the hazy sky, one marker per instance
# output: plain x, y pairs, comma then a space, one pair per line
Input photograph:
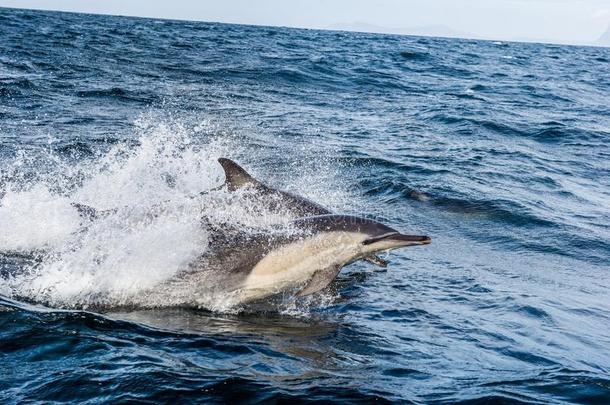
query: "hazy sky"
577, 21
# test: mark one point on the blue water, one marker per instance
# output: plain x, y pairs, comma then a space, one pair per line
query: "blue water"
500, 152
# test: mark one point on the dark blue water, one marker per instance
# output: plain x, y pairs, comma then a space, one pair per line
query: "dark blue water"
499, 151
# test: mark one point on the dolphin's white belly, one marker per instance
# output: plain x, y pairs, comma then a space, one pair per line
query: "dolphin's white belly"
293, 265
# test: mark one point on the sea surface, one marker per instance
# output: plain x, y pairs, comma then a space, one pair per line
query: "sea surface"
499, 151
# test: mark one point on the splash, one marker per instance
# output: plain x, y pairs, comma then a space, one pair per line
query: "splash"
152, 226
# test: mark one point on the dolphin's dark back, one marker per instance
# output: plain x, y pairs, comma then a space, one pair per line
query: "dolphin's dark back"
297, 206
237, 177
343, 223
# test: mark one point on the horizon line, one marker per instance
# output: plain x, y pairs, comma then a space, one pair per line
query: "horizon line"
329, 29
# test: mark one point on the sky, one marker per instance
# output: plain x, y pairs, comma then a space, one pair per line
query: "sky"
558, 21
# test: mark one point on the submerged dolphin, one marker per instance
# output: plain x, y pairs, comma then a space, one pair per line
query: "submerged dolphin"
303, 261
236, 177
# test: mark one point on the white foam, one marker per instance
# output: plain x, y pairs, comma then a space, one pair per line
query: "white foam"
35, 219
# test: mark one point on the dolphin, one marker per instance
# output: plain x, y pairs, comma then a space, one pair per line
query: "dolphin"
303, 260
272, 199
236, 177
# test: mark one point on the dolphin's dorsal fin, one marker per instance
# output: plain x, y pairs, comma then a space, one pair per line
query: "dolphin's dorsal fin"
236, 176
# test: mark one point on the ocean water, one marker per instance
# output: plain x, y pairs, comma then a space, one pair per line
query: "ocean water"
499, 151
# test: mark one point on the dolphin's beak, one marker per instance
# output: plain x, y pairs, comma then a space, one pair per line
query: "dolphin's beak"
397, 240
412, 239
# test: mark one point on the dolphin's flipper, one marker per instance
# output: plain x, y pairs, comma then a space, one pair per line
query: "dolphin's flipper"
320, 280
376, 260
236, 176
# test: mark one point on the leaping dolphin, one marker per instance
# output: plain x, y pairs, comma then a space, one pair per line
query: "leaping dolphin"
236, 177
303, 261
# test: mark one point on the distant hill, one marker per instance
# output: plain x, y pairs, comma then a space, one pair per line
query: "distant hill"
605, 38
425, 31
